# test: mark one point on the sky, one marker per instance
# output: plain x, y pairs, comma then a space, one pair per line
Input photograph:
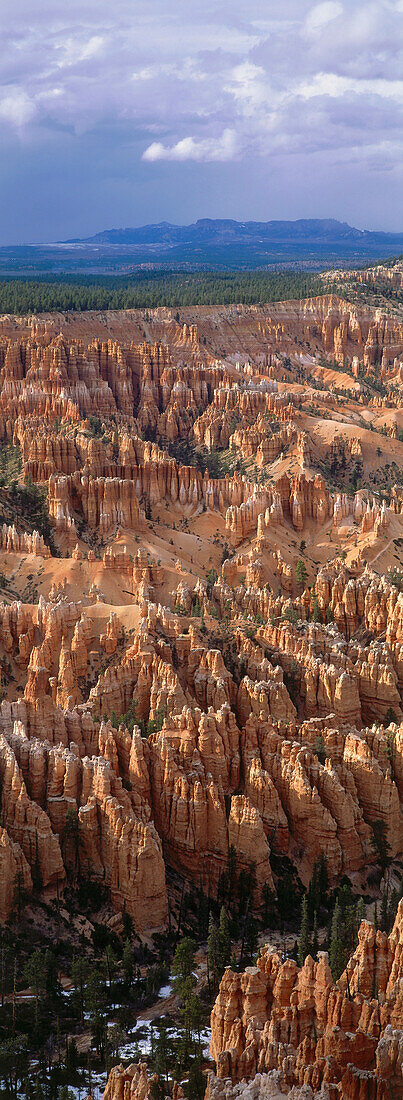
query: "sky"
128, 112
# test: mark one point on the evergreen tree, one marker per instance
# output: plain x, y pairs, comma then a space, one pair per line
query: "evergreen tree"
203, 906
224, 941
35, 975
320, 749
212, 954
184, 984
246, 888
250, 942
304, 941
323, 880
162, 1057
109, 965
313, 898
79, 975
268, 901
360, 912
95, 1000
36, 870
71, 1057
316, 612
393, 905
71, 836
336, 951
196, 1086
232, 873
380, 844
128, 962
384, 917
301, 573
14, 1064
20, 895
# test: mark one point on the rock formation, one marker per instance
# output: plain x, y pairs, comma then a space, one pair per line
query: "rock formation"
171, 683
276, 1016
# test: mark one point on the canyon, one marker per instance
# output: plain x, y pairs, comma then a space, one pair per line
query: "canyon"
201, 648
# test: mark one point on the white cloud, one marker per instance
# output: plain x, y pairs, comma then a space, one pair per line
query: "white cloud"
208, 149
321, 15
239, 80
74, 52
186, 71
16, 107
333, 85
249, 86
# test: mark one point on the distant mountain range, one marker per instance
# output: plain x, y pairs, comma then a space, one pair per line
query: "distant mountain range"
219, 232
311, 243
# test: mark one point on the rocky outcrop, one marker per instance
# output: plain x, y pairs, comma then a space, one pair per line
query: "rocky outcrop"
264, 1086
13, 541
312, 1031
27, 824
15, 876
194, 765
133, 1083
44, 787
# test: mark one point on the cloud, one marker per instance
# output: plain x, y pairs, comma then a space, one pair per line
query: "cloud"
237, 70
209, 149
321, 15
206, 82
74, 52
335, 86
249, 86
16, 107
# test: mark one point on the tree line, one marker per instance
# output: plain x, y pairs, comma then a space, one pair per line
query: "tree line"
147, 290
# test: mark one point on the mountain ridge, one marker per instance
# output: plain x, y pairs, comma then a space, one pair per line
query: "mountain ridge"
221, 230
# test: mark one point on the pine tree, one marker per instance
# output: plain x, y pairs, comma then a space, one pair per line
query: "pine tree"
301, 573
313, 893
320, 749
79, 974
184, 984
19, 894
232, 872
35, 975
323, 879
384, 919
251, 936
212, 954
162, 1054
360, 911
316, 613
380, 844
224, 941
203, 906
315, 942
268, 900
336, 951
72, 836
304, 943
128, 962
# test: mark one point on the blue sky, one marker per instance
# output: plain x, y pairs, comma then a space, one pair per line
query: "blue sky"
132, 111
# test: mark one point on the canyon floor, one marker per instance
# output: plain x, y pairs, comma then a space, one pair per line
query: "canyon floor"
201, 715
